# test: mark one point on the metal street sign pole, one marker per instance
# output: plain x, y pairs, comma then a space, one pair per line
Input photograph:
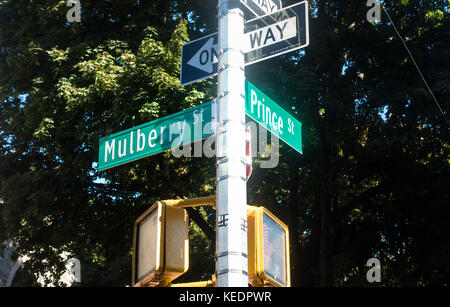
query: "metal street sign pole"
231, 193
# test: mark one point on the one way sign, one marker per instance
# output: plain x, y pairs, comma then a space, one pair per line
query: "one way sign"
271, 34
265, 37
199, 59
278, 33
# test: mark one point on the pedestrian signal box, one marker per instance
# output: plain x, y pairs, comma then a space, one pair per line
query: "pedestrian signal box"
268, 249
160, 245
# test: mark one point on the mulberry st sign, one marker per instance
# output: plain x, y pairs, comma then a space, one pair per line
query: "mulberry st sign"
172, 131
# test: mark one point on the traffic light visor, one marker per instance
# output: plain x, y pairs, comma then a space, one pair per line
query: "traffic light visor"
160, 245
148, 244
268, 249
274, 250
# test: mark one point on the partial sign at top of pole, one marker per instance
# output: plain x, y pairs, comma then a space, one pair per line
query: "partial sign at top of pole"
262, 7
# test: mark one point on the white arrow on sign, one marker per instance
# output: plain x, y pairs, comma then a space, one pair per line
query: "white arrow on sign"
205, 57
271, 34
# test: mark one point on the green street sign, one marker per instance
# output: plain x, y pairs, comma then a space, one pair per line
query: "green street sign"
271, 116
172, 131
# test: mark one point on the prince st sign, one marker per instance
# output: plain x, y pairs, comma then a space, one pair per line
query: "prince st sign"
273, 117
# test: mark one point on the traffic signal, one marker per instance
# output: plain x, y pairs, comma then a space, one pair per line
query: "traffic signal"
268, 249
160, 245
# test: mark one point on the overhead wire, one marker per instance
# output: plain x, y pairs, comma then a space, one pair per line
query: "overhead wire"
415, 64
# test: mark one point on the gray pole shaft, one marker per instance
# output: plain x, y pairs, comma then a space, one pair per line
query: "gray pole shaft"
231, 193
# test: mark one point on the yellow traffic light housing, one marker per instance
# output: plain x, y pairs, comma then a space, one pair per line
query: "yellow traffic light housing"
160, 245
268, 249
